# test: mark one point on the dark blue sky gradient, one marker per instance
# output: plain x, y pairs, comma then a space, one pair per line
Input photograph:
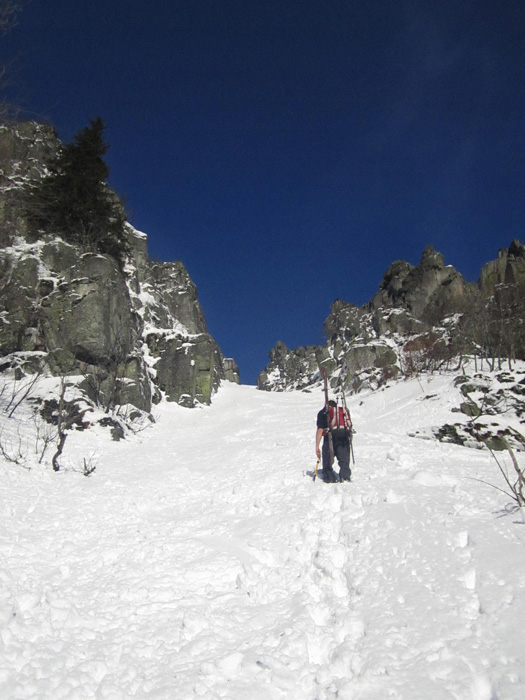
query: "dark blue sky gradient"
289, 151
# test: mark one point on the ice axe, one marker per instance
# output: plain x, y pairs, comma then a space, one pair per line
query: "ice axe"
316, 468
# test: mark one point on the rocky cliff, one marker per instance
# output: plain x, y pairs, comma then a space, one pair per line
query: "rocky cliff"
424, 315
507, 269
133, 333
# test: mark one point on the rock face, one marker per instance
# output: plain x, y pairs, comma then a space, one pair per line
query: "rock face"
290, 368
135, 333
415, 289
508, 269
409, 320
231, 370
23, 149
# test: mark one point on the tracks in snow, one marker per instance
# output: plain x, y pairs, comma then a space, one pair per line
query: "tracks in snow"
200, 563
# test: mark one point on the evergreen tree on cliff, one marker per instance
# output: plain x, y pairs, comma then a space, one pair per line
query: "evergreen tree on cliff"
73, 199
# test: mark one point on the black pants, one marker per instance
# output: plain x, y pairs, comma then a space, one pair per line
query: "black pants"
341, 453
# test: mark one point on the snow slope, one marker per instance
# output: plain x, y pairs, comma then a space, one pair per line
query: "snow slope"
200, 560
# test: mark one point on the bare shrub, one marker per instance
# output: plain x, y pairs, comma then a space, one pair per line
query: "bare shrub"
13, 449
425, 353
515, 480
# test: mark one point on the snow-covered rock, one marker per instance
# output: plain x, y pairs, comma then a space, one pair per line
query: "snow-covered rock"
135, 331
423, 317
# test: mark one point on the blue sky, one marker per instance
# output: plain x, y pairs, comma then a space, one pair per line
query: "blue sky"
289, 151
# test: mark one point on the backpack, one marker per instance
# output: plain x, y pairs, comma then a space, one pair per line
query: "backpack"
339, 423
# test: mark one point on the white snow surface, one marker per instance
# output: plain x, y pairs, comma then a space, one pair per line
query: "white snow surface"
201, 560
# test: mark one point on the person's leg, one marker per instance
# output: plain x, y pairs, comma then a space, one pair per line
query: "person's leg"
328, 471
342, 452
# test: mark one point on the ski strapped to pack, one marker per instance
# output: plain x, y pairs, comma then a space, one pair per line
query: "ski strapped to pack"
343, 418
342, 376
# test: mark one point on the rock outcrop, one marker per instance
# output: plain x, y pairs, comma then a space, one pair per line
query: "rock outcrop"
414, 289
412, 318
134, 332
507, 269
231, 370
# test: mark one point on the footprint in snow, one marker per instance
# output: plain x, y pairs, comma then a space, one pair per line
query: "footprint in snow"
462, 539
393, 497
334, 502
469, 579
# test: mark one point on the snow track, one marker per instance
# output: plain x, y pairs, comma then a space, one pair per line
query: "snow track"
201, 561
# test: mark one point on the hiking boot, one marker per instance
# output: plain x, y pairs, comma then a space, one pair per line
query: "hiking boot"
345, 477
329, 477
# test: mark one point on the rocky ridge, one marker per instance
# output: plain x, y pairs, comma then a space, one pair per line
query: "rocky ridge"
416, 320
131, 333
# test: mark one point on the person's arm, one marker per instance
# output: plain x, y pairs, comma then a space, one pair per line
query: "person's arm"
318, 436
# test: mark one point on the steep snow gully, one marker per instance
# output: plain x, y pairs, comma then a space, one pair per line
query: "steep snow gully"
202, 561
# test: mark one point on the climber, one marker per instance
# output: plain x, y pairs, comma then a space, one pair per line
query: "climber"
334, 424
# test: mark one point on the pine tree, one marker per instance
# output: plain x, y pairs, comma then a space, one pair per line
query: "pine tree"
74, 200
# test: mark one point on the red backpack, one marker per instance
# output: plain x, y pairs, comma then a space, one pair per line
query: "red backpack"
339, 422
